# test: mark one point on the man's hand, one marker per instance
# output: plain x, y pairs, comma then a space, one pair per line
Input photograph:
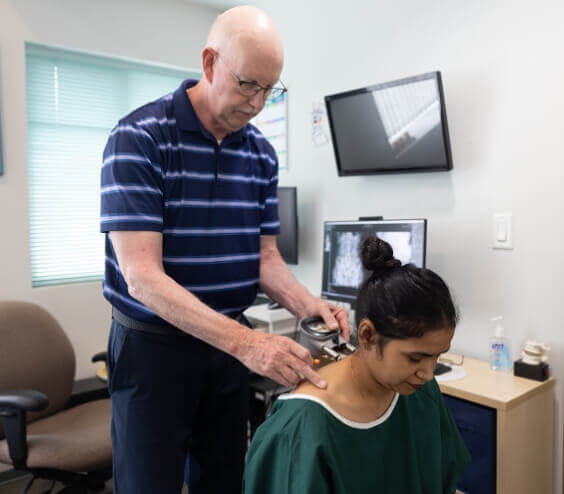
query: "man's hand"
279, 284
335, 317
279, 358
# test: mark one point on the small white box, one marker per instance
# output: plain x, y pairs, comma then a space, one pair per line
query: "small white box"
278, 321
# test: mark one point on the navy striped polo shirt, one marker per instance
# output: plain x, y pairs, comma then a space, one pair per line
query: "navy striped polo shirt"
164, 172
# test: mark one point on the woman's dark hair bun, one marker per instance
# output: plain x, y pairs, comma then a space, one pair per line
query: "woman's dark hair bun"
378, 255
401, 301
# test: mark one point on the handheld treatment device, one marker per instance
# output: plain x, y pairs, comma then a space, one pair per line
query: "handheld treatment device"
320, 340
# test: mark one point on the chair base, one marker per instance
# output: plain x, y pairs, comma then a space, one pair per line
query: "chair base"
74, 483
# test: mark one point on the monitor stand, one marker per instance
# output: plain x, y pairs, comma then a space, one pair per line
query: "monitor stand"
370, 218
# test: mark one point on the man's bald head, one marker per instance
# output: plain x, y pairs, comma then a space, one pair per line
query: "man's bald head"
243, 47
240, 30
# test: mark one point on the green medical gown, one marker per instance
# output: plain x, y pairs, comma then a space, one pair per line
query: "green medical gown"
304, 447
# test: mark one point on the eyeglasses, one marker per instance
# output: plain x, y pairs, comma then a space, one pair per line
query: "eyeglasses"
250, 89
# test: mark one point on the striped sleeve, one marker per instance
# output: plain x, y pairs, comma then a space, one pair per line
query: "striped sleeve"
269, 220
131, 182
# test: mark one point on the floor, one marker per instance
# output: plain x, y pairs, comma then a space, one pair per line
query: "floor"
40, 486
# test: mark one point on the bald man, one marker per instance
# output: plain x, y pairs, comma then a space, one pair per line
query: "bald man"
190, 211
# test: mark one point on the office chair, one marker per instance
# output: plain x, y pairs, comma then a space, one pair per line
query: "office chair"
39, 431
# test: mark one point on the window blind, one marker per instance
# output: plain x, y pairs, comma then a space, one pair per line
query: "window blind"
73, 101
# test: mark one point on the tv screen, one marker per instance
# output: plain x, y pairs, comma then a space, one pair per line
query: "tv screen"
393, 127
287, 241
343, 272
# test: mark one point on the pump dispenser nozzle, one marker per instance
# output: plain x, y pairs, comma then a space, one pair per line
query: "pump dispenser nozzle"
498, 327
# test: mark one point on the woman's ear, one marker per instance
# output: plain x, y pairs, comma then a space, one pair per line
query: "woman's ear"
367, 334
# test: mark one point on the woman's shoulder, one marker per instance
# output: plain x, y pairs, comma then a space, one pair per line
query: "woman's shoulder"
292, 419
331, 396
297, 410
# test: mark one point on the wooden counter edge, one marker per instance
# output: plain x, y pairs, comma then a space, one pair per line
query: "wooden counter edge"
449, 388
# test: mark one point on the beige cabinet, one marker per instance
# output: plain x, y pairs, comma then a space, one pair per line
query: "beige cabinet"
524, 424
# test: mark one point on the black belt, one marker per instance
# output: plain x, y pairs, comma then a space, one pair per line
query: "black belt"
165, 328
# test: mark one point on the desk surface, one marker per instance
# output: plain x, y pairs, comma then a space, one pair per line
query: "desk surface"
493, 388
89, 389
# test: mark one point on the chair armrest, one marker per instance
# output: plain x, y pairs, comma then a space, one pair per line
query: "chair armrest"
14, 406
100, 357
27, 400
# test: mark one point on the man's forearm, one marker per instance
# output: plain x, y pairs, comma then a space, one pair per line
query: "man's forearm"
160, 293
278, 282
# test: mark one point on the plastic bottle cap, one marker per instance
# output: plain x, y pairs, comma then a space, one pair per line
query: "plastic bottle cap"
499, 327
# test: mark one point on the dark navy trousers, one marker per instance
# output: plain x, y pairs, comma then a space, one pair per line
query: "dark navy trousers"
176, 402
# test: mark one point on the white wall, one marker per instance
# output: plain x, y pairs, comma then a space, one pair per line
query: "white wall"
502, 69
168, 31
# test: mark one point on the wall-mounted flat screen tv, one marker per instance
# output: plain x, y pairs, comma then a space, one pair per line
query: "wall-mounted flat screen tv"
393, 127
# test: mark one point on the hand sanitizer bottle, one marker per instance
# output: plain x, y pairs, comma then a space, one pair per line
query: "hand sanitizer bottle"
500, 357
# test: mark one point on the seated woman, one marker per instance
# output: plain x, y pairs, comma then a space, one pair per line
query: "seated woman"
381, 425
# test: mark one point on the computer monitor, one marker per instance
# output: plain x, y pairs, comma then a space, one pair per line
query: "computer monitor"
343, 272
287, 241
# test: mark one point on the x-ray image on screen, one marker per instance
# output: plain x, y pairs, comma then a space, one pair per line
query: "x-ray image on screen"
347, 266
343, 272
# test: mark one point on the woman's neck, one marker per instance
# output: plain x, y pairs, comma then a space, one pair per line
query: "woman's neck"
375, 397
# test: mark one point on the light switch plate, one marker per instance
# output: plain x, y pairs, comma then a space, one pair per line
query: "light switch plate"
503, 231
